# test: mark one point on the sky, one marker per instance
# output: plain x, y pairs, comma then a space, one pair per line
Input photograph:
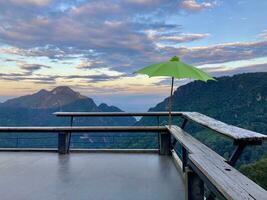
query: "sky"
94, 46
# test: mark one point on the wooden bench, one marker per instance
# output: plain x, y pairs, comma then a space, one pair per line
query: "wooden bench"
223, 180
242, 137
233, 132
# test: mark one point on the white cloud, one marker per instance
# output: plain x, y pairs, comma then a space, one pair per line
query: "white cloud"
184, 37
263, 35
193, 5
31, 2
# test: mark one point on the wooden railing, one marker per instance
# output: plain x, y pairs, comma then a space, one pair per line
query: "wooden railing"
241, 137
199, 164
64, 132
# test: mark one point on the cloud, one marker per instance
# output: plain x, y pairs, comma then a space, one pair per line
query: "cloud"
33, 67
226, 71
109, 34
263, 35
26, 76
30, 2
185, 37
219, 53
92, 78
193, 5
89, 64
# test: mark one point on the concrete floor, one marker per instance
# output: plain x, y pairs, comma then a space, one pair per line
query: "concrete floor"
96, 176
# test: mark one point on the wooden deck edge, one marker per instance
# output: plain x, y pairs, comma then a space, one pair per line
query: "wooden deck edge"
178, 163
80, 150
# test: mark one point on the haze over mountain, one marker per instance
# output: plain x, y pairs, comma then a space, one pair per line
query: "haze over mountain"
38, 109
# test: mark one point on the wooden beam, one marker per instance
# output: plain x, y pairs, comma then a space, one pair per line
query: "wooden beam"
227, 130
114, 114
84, 129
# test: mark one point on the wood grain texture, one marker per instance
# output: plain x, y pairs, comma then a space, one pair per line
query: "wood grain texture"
228, 181
227, 130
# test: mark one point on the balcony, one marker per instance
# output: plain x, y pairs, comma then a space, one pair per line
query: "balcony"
43, 175
196, 172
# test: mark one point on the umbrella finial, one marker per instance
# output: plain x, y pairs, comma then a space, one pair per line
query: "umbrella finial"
175, 58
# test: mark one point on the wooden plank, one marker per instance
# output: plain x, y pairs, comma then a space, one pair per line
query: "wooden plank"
233, 132
113, 114
203, 157
187, 141
230, 187
85, 129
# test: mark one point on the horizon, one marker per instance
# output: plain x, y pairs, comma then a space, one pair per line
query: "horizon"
130, 107
46, 43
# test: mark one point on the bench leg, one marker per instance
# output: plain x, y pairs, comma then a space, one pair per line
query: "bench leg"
184, 158
194, 186
236, 154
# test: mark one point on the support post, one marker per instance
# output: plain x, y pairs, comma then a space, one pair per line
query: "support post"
158, 133
240, 145
63, 142
194, 186
236, 154
184, 158
165, 143
69, 135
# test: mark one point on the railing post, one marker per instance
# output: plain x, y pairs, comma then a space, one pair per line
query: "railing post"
184, 158
165, 143
194, 186
63, 142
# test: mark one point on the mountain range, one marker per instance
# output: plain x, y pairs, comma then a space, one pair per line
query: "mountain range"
37, 109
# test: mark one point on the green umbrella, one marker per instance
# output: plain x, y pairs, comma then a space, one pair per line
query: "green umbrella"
176, 69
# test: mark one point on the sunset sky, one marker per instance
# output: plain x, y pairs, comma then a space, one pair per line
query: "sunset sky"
94, 46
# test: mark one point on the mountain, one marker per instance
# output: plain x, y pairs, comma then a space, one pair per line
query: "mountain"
37, 109
240, 100
44, 99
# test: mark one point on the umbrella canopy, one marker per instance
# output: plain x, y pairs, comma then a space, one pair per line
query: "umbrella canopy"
176, 69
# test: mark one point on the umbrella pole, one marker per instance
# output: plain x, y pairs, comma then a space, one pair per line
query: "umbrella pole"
170, 105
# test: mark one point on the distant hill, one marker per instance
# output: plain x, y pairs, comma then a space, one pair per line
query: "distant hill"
37, 109
44, 99
240, 100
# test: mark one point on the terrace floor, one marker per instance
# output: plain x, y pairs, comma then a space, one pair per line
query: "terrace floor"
97, 176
